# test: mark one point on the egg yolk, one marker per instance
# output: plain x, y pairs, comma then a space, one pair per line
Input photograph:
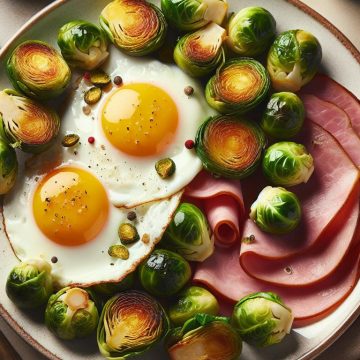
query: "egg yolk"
70, 206
140, 119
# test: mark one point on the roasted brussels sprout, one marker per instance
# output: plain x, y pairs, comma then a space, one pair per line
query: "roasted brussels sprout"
130, 323
188, 234
164, 273
134, 26
188, 15
238, 86
70, 314
8, 167
201, 52
293, 60
287, 164
229, 146
38, 70
284, 115
29, 284
251, 31
276, 210
262, 319
111, 288
26, 124
204, 337
190, 302
83, 44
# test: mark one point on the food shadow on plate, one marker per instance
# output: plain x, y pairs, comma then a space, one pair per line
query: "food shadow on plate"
287, 349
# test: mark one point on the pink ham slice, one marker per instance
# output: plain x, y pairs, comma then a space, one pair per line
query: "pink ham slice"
329, 90
336, 122
223, 274
223, 204
333, 185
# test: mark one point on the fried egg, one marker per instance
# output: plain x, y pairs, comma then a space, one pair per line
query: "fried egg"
68, 203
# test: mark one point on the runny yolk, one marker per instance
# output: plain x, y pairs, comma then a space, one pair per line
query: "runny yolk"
70, 206
140, 119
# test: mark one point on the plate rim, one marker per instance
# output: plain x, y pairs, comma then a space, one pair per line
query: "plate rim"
349, 46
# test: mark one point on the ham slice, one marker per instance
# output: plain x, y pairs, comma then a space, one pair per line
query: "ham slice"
336, 122
223, 274
329, 90
222, 201
333, 185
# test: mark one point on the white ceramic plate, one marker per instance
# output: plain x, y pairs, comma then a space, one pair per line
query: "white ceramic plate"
340, 61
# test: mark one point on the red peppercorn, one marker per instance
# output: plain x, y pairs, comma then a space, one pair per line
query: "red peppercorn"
189, 144
91, 140
87, 76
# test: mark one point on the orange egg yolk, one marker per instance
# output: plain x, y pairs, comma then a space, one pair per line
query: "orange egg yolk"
140, 119
70, 206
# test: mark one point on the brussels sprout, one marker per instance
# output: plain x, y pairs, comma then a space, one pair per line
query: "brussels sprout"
164, 273
229, 146
165, 168
276, 210
251, 31
111, 288
284, 115
83, 44
26, 124
190, 302
204, 337
130, 323
38, 70
188, 15
238, 86
293, 60
70, 314
287, 164
201, 52
134, 26
188, 234
30, 284
8, 167
262, 319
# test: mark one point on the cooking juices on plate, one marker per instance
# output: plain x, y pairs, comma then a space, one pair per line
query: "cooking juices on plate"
142, 174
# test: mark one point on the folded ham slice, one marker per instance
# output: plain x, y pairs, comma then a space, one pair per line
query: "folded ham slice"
332, 186
223, 274
329, 90
222, 201
336, 122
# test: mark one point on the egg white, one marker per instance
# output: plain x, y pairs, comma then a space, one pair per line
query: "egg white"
130, 181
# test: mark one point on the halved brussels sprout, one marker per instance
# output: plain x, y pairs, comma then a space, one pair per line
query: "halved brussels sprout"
29, 284
287, 164
201, 52
70, 314
262, 319
26, 124
188, 234
190, 302
188, 15
229, 146
284, 115
38, 70
238, 86
130, 323
8, 167
204, 337
293, 60
111, 288
164, 273
83, 44
276, 210
251, 31
134, 26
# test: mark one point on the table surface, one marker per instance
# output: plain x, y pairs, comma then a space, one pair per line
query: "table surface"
344, 14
